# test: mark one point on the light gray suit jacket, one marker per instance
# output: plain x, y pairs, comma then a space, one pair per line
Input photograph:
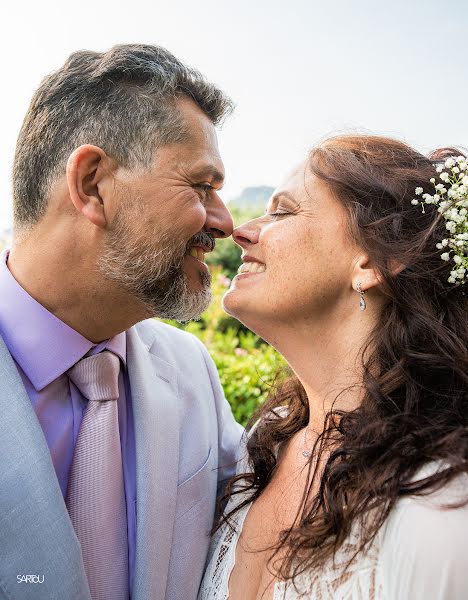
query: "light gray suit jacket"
186, 443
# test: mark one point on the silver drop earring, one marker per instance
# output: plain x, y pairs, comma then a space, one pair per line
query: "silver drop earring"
362, 302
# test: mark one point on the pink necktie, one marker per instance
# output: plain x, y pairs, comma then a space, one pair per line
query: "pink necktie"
96, 493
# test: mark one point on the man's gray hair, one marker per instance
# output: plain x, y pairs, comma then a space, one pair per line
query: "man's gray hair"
122, 100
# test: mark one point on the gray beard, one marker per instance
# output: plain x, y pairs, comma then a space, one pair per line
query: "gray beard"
153, 274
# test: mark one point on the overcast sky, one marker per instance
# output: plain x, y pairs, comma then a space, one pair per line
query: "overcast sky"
298, 70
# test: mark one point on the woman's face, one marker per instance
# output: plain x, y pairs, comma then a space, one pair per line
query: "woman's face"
297, 259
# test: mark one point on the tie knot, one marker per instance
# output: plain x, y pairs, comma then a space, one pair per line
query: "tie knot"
97, 377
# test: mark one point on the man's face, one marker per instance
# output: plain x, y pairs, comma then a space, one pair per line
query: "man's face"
164, 220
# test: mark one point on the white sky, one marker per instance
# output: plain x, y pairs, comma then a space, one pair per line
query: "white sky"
298, 69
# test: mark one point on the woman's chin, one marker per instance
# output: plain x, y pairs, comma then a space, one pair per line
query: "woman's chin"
237, 305
231, 303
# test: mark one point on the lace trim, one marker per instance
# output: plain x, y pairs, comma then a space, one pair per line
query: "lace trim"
361, 580
215, 585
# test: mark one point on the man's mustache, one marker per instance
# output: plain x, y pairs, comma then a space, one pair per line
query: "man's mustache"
204, 239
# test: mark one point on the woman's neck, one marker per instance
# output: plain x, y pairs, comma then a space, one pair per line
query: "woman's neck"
326, 356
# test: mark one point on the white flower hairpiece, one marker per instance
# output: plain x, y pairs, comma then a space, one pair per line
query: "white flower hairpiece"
451, 199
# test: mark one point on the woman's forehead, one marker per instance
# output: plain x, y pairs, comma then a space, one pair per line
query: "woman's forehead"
300, 183
292, 182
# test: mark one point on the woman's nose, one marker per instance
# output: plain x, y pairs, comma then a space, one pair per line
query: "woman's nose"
246, 234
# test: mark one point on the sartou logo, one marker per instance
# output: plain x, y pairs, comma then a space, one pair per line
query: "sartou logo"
30, 579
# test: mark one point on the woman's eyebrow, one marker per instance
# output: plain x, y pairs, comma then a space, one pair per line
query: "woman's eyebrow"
277, 197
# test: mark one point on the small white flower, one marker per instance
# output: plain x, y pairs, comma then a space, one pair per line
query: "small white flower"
432, 180
449, 163
457, 259
451, 226
443, 205
465, 180
415, 202
455, 170
444, 243
418, 191
451, 280
445, 256
439, 169
444, 177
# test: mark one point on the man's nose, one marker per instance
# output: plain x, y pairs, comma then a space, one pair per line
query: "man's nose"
218, 219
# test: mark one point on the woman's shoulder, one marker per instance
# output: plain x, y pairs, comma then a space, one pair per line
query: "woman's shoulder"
424, 545
448, 502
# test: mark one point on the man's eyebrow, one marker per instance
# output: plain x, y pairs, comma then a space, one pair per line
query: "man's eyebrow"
209, 171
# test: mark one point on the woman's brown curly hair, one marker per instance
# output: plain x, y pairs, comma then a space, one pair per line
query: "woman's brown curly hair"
415, 370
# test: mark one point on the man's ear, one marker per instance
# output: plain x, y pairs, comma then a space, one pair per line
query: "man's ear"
88, 168
364, 271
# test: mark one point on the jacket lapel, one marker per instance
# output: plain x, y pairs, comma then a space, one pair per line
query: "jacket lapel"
36, 534
155, 410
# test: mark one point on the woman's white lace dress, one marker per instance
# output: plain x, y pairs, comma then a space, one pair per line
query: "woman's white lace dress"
421, 553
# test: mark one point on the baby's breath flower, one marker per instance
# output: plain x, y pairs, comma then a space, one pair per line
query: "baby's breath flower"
451, 226
451, 201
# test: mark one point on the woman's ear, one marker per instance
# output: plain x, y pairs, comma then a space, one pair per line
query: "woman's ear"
365, 272
87, 168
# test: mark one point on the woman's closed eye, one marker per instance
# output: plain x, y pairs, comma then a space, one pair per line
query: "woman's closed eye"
277, 215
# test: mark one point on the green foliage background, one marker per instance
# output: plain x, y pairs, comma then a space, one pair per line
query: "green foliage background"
246, 364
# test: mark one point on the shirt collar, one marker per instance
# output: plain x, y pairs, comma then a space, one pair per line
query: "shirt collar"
43, 345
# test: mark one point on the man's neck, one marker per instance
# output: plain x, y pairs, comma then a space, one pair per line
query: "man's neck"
67, 283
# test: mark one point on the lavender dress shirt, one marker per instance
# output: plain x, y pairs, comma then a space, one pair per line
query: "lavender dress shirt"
44, 348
